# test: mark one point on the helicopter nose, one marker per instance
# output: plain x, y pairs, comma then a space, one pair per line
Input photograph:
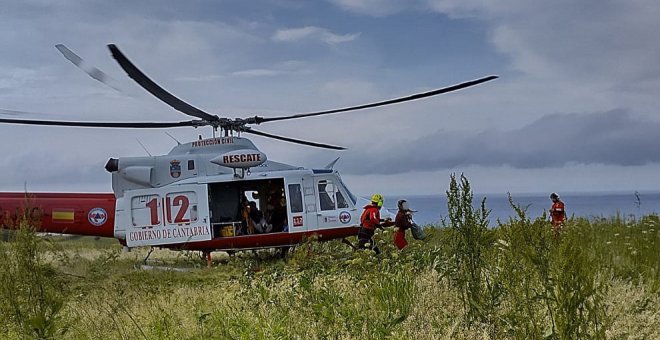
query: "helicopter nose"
112, 165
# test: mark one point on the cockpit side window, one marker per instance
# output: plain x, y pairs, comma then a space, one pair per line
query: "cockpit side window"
341, 201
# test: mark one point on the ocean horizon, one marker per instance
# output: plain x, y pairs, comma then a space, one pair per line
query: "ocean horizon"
432, 208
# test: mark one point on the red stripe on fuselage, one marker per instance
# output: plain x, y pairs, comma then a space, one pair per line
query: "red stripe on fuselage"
42, 205
265, 240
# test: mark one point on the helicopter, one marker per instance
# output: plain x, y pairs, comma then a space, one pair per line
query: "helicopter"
212, 194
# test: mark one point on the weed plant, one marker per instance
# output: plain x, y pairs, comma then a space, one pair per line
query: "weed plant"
32, 293
470, 241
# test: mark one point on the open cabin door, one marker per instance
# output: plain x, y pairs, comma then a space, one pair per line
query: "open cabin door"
169, 215
248, 207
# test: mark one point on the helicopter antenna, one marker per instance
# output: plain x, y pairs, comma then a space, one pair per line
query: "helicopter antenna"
176, 140
144, 147
331, 164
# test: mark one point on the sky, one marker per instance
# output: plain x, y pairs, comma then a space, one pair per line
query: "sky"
575, 108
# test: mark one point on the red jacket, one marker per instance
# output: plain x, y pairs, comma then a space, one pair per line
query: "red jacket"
370, 218
402, 220
557, 212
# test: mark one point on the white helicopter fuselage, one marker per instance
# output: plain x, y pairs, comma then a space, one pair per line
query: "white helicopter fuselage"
198, 194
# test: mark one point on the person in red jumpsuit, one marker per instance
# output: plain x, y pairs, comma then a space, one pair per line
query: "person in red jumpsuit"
557, 213
369, 222
402, 222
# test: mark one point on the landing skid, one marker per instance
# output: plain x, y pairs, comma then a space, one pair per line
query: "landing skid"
277, 253
151, 250
347, 242
165, 268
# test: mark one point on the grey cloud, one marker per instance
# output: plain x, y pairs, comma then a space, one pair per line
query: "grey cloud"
605, 41
376, 8
614, 137
312, 33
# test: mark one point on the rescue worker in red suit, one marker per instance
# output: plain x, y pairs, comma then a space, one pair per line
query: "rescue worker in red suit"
557, 213
402, 222
369, 222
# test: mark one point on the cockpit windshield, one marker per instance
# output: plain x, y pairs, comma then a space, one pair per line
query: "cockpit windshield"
350, 194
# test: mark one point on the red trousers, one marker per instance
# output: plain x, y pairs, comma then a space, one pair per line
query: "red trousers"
400, 239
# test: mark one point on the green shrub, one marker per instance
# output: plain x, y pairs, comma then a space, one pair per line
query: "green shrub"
470, 241
32, 291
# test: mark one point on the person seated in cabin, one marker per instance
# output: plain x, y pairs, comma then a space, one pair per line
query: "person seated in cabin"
285, 226
276, 215
243, 216
257, 220
326, 201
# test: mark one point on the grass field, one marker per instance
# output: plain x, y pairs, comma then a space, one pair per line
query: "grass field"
599, 279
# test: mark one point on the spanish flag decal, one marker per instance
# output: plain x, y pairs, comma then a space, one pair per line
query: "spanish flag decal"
63, 215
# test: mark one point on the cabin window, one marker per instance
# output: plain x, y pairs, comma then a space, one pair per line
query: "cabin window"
295, 196
191, 164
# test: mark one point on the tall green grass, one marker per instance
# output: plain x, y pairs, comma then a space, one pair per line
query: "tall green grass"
470, 241
599, 279
32, 289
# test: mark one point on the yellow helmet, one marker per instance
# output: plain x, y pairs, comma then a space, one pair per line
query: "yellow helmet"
377, 198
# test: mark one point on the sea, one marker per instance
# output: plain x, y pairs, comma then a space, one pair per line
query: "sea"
431, 209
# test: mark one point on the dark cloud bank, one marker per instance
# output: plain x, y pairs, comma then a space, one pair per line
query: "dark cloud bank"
612, 138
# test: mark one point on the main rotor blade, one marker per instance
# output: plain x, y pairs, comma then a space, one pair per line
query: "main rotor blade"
130, 125
155, 89
90, 70
259, 120
292, 140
